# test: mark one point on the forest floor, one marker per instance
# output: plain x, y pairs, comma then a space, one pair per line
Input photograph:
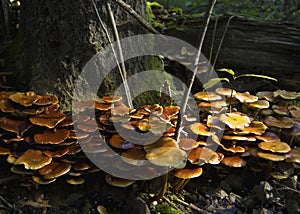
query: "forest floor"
217, 191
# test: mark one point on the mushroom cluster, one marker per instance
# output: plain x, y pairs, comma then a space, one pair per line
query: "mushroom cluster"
39, 140
43, 143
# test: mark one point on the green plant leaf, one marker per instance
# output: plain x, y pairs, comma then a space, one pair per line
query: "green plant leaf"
256, 75
213, 82
230, 71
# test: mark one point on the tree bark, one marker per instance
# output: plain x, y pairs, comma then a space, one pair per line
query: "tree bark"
57, 38
252, 47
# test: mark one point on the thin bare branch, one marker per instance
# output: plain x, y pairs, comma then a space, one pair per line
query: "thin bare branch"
136, 16
192, 77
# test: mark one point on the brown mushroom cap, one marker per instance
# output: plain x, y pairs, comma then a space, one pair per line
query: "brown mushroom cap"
169, 111
269, 137
267, 95
225, 92
207, 96
280, 110
187, 173
294, 156
270, 156
203, 155
55, 169
56, 136
111, 99
118, 142
49, 118
259, 104
103, 106
234, 161
287, 95
246, 97
7, 106
15, 126
161, 142
75, 180
17, 169
167, 156
33, 159
278, 147
24, 98
118, 182
294, 111
236, 137
134, 156
46, 100
41, 180
189, 143
255, 127
283, 122
88, 126
200, 129
235, 120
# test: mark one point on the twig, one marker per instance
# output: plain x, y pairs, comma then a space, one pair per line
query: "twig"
171, 203
123, 69
190, 205
136, 16
192, 78
286, 187
221, 42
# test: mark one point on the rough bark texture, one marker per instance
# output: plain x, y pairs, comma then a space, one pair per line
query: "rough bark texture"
268, 48
57, 38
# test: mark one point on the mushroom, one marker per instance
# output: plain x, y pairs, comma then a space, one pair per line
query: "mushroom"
234, 161
200, 129
287, 95
24, 98
235, 120
207, 96
202, 155
49, 118
15, 126
75, 180
280, 110
55, 136
277, 147
283, 122
46, 100
33, 159
294, 111
54, 170
118, 182
184, 175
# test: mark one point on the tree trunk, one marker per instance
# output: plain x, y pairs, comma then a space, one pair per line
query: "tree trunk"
57, 38
252, 47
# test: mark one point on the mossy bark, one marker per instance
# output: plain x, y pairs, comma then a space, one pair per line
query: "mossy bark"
57, 38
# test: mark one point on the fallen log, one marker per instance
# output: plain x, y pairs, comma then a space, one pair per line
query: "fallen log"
251, 46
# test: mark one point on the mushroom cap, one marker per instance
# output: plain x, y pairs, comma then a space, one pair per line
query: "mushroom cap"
169, 111
203, 155
283, 122
278, 147
18, 169
15, 126
226, 92
236, 137
234, 161
33, 159
111, 99
56, 153
235, 120
118, 142
49, 118
267, 95
55, 169
287, 95
46, 100
161, 142
200, 129
259, 104
207, 96
75, 180
134, 156
40, 180
255, 127
187, 173
103, 106
280, 110
52, 136
167, 156
121, 110
189, 143
269, 137
7, 106
24, 98
118, 182
294, 156
294, 111
246, 97
270, 156
89, 126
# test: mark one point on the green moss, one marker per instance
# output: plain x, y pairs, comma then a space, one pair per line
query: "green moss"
176, 10
165, 208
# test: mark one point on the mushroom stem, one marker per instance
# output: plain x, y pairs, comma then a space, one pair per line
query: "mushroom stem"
179, 184
164, 188
292, 139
